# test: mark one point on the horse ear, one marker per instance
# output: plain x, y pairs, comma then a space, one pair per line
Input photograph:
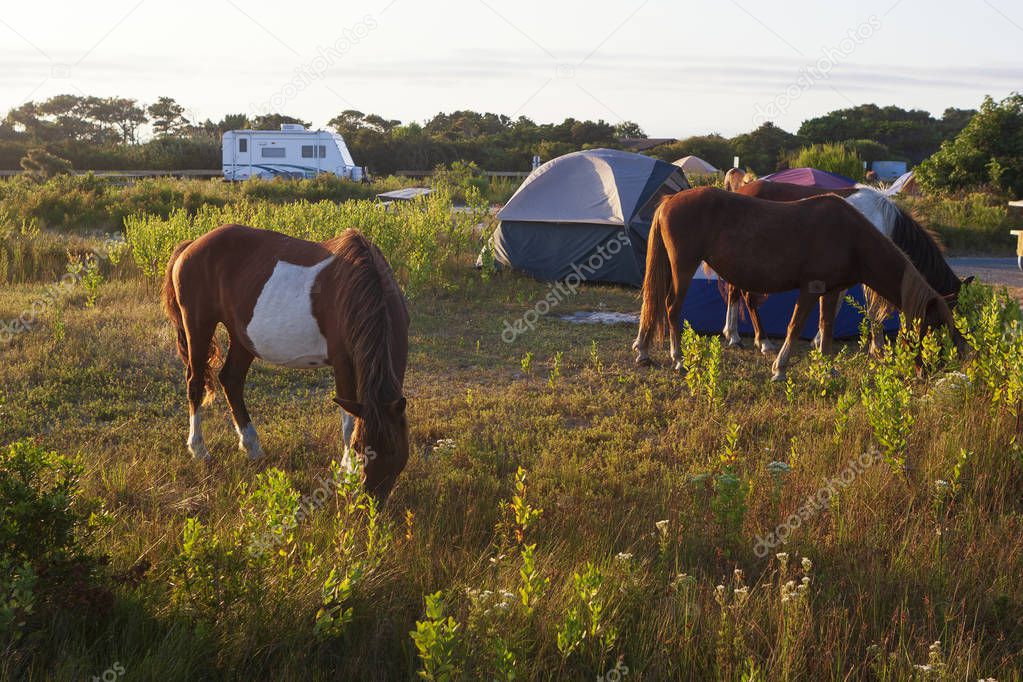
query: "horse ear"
966, 280
350, 406
397, 408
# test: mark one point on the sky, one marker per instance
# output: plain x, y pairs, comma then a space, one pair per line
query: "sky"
676, 68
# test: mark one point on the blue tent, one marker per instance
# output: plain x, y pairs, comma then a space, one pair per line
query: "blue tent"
704, 309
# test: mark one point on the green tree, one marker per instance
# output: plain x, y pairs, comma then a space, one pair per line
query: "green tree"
168, 117
275, 121
712, 148
989, 150
765, 148
628, 129
910, 134
41, 164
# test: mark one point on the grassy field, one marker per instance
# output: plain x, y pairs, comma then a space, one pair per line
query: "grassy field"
627, 547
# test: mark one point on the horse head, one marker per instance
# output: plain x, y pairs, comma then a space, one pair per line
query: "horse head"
380, 442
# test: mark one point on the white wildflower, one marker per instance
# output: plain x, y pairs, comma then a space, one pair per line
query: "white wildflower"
807, 565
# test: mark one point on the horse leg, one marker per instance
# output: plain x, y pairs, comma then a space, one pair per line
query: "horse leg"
762, 343
682, 277
826, 327
200, 336
799, 315
818, 340
344, 383
873, 313
232, 378
731, 331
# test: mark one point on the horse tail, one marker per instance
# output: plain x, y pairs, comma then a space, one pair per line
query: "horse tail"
653, 319
171, 308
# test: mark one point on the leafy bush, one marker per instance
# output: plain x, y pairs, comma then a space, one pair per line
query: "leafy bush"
834, 158
43, 529
989, 150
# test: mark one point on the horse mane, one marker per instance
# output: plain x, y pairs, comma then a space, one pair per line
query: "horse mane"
926, 251
916, 293
363, 284
920, 244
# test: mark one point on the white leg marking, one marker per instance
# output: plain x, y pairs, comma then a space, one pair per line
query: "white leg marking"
248, 441
196, 445
732, 324
766, 346
348, 460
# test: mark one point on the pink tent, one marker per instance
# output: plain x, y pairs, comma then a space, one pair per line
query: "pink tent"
812, 177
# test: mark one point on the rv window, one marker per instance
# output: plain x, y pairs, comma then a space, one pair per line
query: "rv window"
323, 151
307, 151
273, 152
243, 146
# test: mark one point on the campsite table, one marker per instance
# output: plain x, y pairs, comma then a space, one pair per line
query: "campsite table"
1019, 237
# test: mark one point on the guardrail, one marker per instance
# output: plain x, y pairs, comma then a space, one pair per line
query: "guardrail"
489, 174
135, 174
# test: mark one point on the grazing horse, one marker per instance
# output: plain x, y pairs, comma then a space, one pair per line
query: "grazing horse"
921, 246
296, 304
736, 179
820, 246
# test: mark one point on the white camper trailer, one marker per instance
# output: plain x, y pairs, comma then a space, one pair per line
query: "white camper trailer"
291, 152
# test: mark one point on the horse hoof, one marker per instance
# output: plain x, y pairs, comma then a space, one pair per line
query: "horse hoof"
678, 366
644, 361
199, 452
777, 377
735, 343
767, 348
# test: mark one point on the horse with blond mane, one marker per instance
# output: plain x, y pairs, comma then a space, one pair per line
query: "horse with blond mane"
820, 246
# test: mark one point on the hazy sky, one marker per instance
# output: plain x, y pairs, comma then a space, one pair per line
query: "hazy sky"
677, 68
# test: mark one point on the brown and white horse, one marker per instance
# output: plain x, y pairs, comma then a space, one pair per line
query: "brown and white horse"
820, 246
296, 304
919, 244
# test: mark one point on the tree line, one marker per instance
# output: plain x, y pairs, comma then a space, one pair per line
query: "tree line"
107, 133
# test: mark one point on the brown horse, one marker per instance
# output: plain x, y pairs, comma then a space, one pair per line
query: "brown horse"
296, 304
736, 179
820, 246
921, 246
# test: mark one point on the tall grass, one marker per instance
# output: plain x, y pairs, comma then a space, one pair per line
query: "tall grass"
974, 222
419, 239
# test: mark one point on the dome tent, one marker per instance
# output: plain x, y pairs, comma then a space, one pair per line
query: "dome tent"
812, 177
694, 165
586, 213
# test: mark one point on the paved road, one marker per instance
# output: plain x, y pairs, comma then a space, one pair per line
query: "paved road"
1002, 271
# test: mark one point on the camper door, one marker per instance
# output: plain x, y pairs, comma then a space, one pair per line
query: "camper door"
242, 155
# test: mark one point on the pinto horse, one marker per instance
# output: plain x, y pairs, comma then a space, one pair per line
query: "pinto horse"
295, 304
820, 246
921, 246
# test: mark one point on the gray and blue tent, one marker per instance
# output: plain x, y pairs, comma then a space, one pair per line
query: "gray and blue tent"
588, 211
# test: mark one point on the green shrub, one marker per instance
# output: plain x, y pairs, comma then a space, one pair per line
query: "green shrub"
834, 158
43, 530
